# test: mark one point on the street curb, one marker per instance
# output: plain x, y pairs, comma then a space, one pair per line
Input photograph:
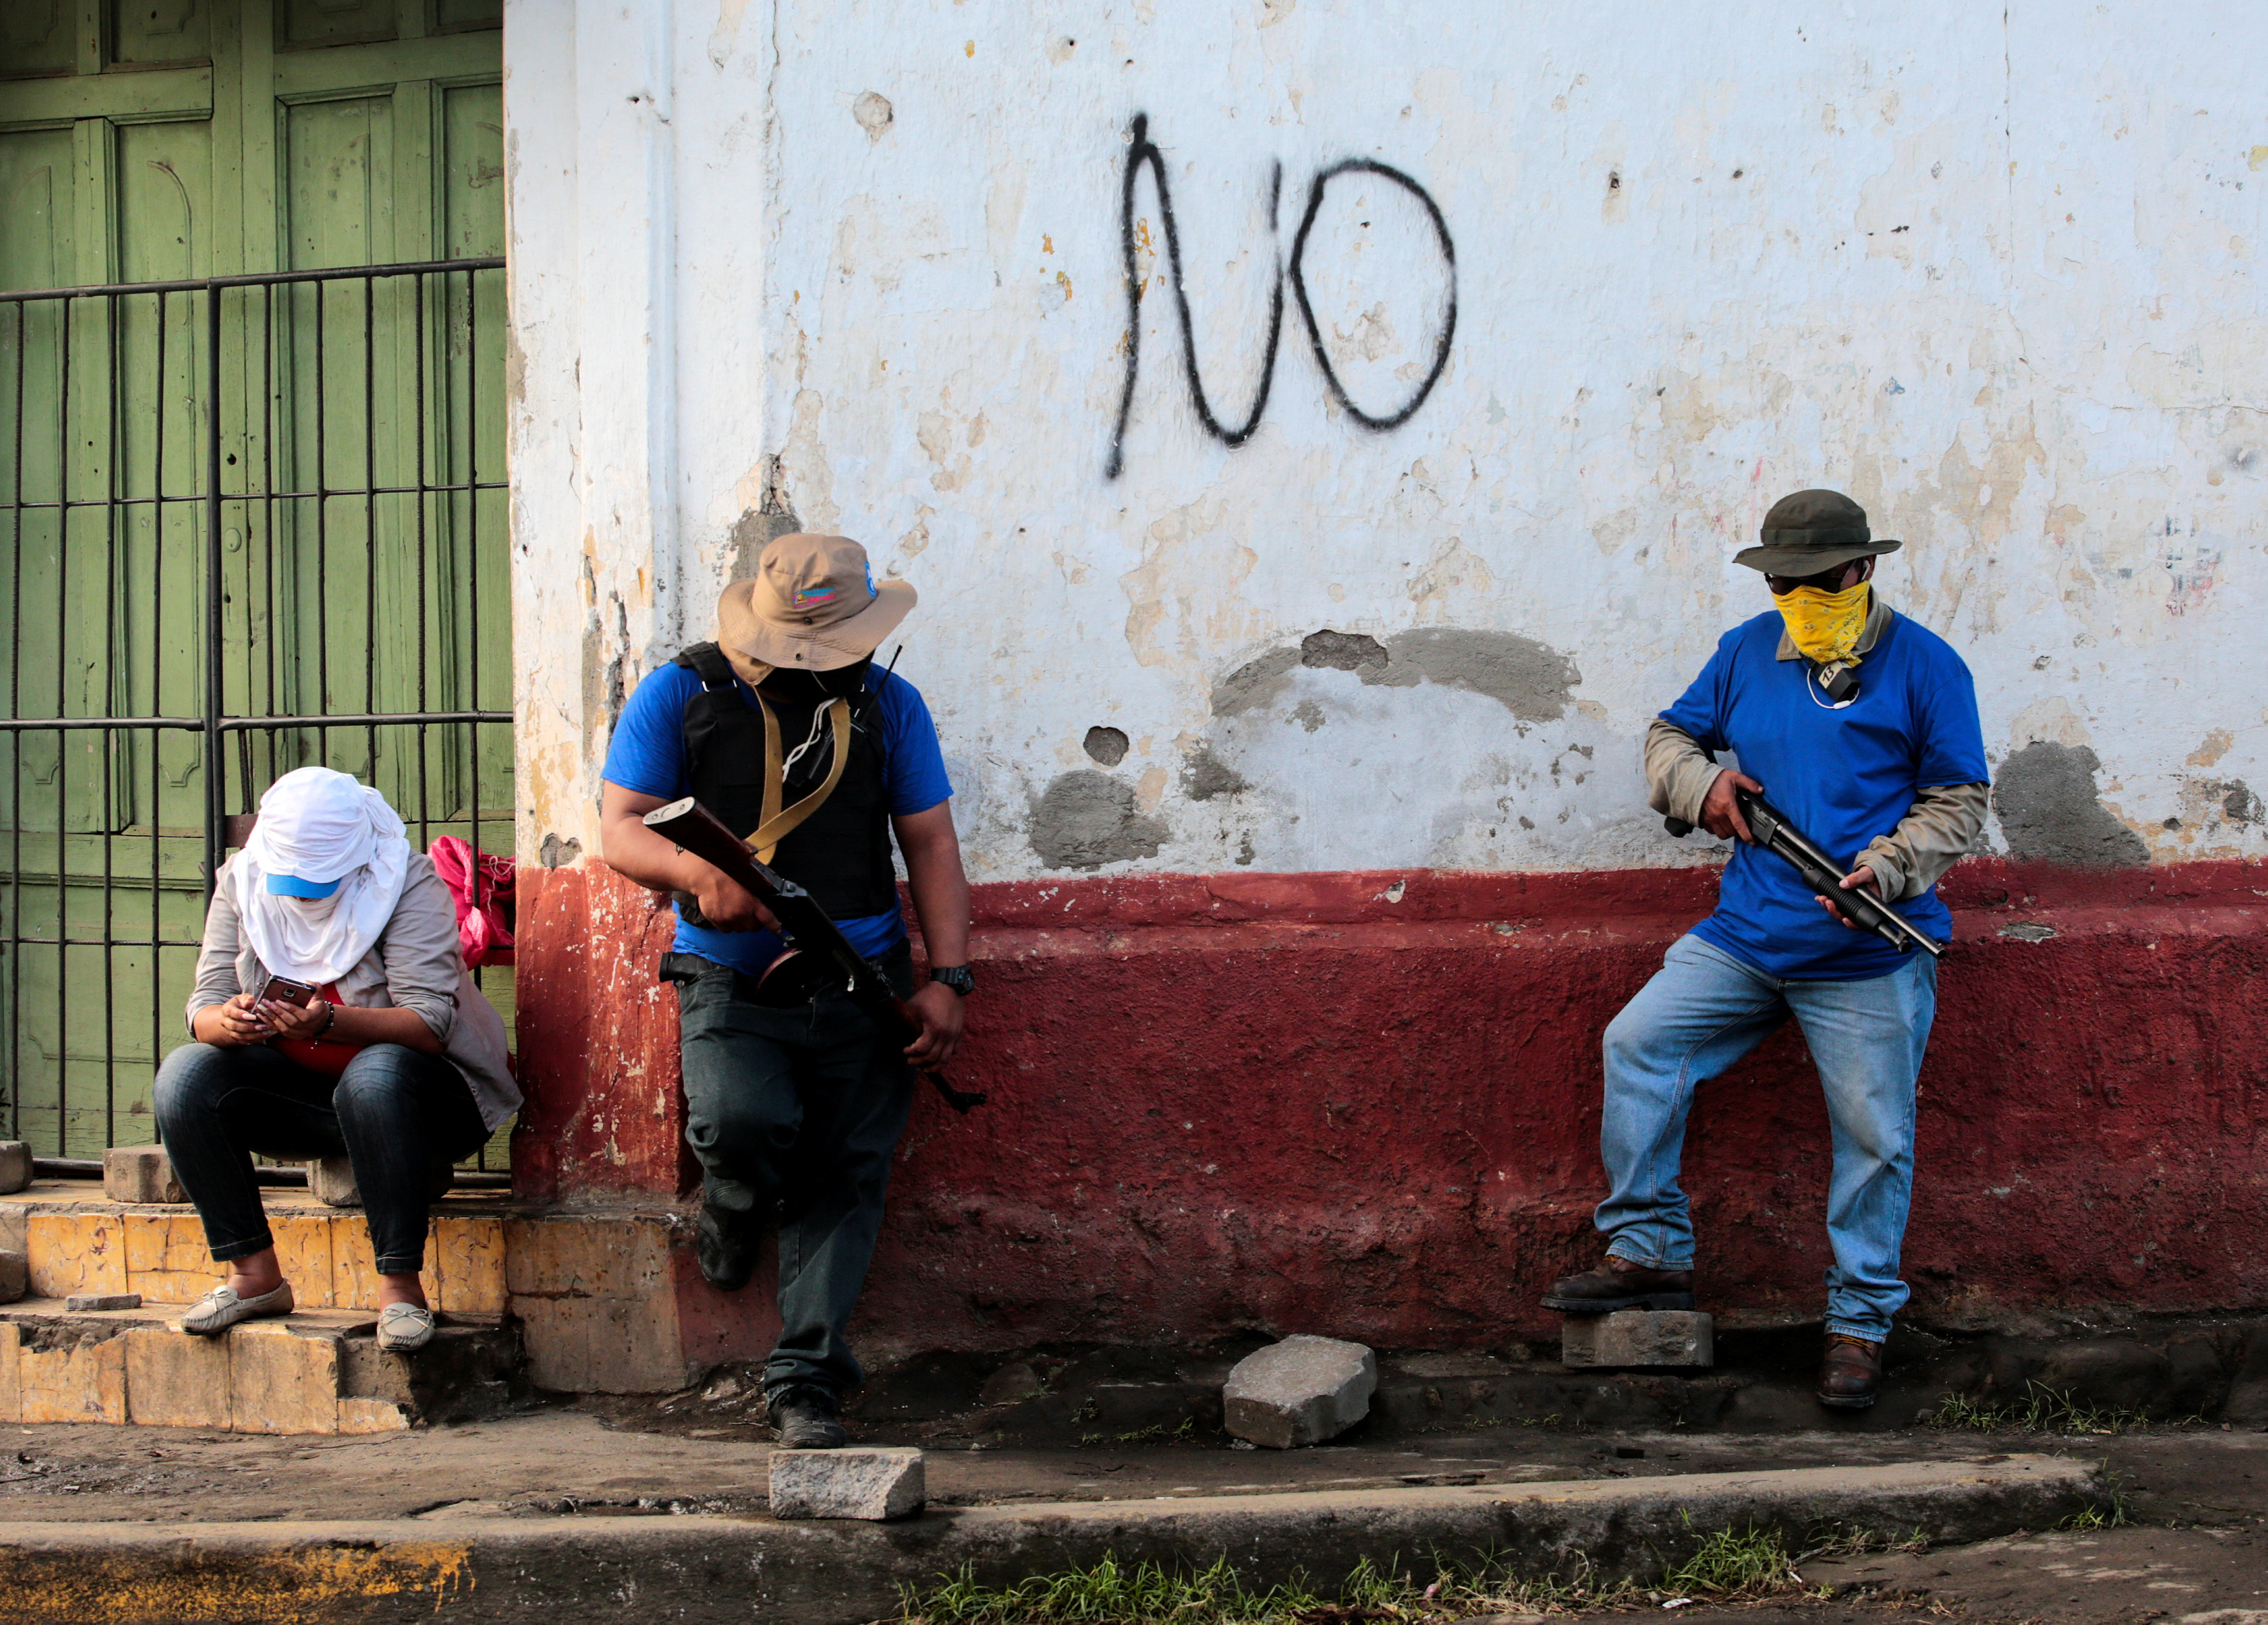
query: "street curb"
757, 1571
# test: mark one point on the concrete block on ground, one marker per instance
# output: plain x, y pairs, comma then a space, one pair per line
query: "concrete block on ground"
332, 1180
15, 1166
1673, 1337
15, 1275
140, 1173
83, 1303
1301, 1390
874, 1484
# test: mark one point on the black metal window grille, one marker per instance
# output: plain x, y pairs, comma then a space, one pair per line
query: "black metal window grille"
247, 524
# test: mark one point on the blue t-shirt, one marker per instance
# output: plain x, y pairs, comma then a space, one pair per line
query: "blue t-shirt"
647, 755
1842, 776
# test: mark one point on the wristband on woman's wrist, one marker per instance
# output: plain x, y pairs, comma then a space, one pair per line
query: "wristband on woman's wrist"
330, 1014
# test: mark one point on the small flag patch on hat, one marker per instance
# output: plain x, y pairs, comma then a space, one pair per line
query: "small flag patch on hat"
806, 597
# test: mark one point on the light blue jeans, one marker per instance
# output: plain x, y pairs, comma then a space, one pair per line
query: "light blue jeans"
1703, 1010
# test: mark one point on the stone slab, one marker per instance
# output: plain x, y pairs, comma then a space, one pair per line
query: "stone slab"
570, 1570
1640, 1337
1300, 1391
81, 1303
140, 1173
332, 1179
15, 1275
874, 1485
15, 1166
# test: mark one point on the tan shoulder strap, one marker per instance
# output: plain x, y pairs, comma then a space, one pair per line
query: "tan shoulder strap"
779, 824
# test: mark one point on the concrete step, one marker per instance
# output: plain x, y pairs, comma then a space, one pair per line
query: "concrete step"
318, 1371
75, 1240
605, 1299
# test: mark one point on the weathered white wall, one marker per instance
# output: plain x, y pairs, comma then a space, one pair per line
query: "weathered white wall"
858, 266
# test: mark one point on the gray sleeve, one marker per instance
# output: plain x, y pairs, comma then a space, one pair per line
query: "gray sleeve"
216, 982
1941, 829
1678, 773
420, 951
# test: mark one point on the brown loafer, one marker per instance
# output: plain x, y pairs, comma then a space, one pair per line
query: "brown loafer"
1851, 1376
1618, 1284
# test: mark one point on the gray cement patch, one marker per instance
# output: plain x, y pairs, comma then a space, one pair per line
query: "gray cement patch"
1085, 820
2051, 813
1205, 776
1253, 683
1532, 681
1107, 746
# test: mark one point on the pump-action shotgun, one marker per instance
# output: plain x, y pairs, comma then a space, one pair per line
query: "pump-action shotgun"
1774, 833
815, 937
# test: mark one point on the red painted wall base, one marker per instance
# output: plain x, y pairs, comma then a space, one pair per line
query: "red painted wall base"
1367, 1104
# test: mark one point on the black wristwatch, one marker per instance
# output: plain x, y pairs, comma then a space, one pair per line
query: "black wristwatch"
954, 977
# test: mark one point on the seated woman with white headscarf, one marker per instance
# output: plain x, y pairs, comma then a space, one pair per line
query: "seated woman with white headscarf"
332, 1014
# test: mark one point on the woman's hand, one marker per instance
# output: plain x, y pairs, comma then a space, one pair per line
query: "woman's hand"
231, 1024
306, 1020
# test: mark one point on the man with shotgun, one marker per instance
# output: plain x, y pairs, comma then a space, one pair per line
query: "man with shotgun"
798, 1071
1861, 727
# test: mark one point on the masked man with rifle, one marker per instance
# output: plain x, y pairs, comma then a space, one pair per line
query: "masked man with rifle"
1861, 726
795, 1098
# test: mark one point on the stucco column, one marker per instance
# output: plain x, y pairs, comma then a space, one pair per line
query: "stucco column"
600, 552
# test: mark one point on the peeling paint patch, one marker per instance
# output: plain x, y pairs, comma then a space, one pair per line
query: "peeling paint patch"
1085, 820
556, 853
2051, 813
1107, 746
874, 113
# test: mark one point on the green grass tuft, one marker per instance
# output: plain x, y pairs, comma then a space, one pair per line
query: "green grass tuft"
1730, 1565
1734, 1564
2042, 1410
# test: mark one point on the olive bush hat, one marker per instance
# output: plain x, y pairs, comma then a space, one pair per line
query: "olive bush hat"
1813, 531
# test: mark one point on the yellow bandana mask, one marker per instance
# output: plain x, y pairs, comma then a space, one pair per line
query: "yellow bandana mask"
1825, 626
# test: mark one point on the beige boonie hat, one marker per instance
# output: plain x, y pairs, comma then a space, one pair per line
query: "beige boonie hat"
812, 606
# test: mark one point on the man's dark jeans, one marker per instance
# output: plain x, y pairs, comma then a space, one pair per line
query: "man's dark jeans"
393, 1114
794, 1114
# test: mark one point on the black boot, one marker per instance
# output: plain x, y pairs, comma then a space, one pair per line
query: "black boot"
805, 1417
724, 1245
1618, 1284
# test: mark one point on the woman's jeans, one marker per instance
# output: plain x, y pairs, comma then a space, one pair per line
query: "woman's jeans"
393, 1113
1702, 1012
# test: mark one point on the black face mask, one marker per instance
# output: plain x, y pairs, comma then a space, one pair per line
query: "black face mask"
802, 688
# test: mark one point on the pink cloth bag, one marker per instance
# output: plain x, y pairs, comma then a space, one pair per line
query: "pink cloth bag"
481, 885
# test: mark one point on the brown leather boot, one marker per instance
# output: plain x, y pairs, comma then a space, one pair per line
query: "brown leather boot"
1618, 1284
1851, 1377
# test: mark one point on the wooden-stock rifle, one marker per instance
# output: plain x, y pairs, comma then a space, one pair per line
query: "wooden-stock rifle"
808, 927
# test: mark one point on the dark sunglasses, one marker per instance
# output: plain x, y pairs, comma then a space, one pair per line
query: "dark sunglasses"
1826, 580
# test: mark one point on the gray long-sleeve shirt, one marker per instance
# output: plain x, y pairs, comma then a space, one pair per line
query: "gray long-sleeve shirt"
416, 964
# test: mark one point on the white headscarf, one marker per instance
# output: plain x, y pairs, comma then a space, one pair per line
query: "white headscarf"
319, 825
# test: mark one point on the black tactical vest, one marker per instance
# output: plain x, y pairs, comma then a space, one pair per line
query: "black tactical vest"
841, 854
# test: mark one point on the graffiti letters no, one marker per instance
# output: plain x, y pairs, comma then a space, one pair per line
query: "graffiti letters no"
1141, 151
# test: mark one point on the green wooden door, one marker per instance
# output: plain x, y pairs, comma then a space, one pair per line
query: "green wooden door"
361, 542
